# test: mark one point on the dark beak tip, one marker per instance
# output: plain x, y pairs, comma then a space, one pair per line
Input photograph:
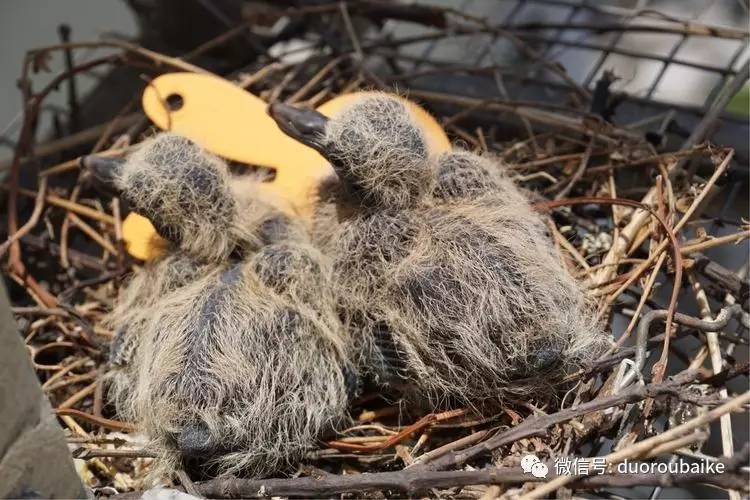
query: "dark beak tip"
286, 116
302, 124
281, 112
546, 359
94, 162
195, 441
103, 170
85, 162
271, 110
275, 108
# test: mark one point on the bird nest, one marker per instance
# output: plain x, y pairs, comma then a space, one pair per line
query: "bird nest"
627, 211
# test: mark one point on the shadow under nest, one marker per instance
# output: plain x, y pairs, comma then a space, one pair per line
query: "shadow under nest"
627, 218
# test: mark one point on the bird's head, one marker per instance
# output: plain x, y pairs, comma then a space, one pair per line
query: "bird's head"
374, 145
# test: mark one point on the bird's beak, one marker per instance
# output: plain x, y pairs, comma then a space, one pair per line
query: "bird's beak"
105, 171
304, 125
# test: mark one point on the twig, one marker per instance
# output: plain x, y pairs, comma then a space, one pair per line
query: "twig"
722, 319
643, 447
538, 425
89, 453
455, 445
714, 350
661, 366
644, 298
33, 220
187, 483
408, 482
715, 242
397, 438
579, 171
68, 205
104, 422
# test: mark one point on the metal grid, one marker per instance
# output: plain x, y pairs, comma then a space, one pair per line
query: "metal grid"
656, 48
652, 44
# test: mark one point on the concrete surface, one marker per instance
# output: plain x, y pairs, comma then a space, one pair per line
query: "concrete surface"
34, 457
29, 24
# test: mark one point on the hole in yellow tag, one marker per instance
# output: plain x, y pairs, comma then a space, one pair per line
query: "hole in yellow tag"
175, 102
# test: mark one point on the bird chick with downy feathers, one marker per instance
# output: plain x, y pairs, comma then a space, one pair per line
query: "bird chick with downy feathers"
443, 269
228, 351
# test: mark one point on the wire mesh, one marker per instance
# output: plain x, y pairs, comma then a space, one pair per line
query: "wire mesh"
655, 45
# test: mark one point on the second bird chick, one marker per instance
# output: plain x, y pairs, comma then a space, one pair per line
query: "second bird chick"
228, 351
444, 270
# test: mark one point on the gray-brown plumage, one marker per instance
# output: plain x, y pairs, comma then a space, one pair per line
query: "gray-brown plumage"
228, 352
444, 271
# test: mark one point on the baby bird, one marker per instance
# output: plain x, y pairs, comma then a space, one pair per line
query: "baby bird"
443, 269
228, 350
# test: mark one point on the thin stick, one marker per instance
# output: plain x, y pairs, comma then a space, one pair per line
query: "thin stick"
66, 369
642, 447
579, 171
644, 298
91, 233
715, 242
313, 81
660, 367
714, 351
78, 396
33, 220
104, 422
568, 246
68, 205
453, 446
397, 438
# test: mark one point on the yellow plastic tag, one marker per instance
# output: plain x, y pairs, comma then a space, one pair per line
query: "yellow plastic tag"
140, 237
233, 123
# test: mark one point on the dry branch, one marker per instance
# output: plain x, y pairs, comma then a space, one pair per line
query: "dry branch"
71, 280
